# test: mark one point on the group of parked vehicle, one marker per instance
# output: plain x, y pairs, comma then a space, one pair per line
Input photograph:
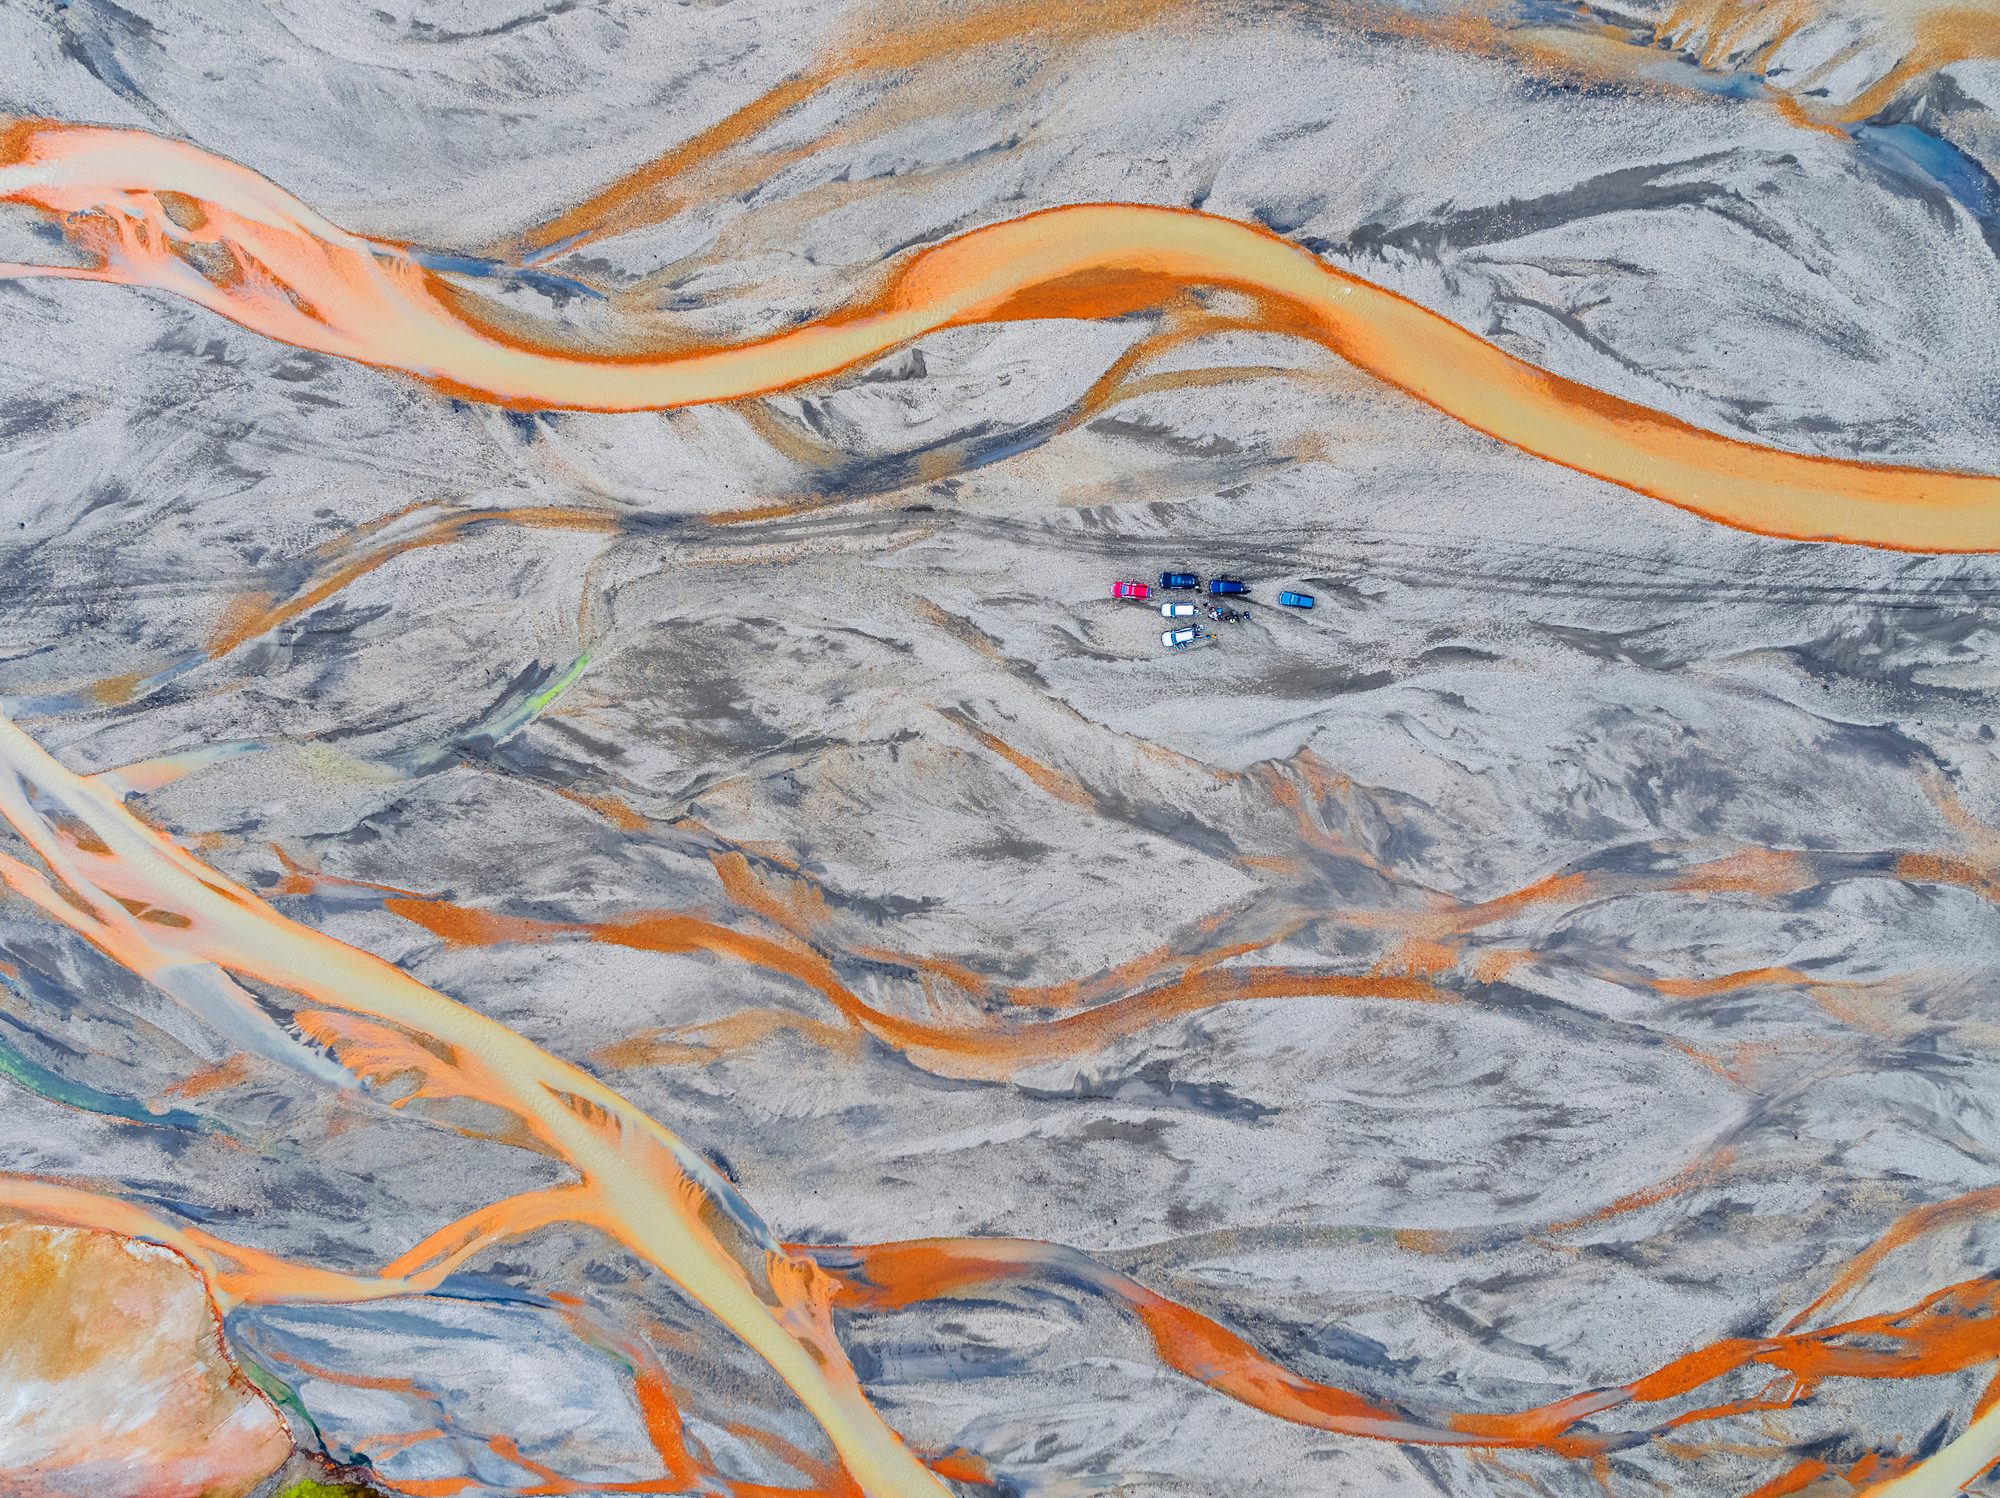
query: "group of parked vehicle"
1218, 587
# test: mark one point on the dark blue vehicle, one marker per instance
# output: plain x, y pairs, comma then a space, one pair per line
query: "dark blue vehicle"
1296, 600
1221, 585
1179, 580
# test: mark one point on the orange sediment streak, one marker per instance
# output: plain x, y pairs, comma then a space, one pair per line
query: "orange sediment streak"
1795, 1479
1983, 879
1701, 1173
1955, 1329
993, 1049
893, 42
1952, 1330
635, 1180
253, 613
237, 1274
1742, 33
1906, 1229
1727, 983
1949, 1331
262, 258
889, 1276
1152, 987
886, 38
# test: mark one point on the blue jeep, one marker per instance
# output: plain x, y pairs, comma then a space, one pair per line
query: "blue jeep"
1296, 600
1218, 586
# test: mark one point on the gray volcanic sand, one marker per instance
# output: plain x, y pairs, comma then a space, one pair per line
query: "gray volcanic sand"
906, 691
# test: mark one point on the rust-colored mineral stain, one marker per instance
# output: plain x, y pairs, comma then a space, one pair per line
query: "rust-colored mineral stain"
120, 1386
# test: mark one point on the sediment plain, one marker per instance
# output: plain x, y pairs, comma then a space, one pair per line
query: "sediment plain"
1567, 949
